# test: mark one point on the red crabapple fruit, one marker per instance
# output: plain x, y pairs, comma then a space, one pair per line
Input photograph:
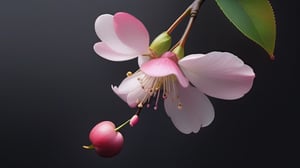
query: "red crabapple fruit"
106, 140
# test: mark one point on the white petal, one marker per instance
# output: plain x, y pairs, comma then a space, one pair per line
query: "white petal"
136, 96
104, 27
218, 74
142, 60
130, 89
123, 96
197, 111
103, 50
130, 83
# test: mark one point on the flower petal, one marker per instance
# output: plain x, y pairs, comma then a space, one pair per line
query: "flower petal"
218, 74
131, 32
130, 89
136, 96
105, 29
142, 60
123, 96
103, 50
164, 66
196, 112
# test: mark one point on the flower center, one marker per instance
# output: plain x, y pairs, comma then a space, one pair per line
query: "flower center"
156, 88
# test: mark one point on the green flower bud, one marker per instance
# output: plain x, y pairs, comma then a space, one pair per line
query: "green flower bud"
179, 51
161, 44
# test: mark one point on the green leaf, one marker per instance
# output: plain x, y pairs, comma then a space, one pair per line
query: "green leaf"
254, 18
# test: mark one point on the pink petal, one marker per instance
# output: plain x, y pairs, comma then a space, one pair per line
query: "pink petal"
218, 74
130, 89
103, 50
105, 30
196, 112
164, 66
131, 32
142, 60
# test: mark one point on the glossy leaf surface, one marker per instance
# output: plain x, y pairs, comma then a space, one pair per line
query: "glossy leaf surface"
254, 18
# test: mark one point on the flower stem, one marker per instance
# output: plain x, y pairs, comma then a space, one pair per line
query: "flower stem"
178, 20
122, 125
194, 9
128, 121
88, 146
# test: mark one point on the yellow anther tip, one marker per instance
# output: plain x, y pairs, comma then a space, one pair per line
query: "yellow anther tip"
129, 73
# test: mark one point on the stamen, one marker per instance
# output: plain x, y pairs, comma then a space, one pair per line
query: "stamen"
129, 73
179, 106
140, 105
157, 87
156, 102
151, 91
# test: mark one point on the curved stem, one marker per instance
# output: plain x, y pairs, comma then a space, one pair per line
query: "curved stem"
88, 146
195, 6
186, 32
179, 20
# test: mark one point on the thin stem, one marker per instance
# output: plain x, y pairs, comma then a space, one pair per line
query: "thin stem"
186, 32
122, 125
128, 121
88, 146
179, 20
195, 6
138, 112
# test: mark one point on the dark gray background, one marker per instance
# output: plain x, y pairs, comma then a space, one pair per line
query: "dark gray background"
54, 89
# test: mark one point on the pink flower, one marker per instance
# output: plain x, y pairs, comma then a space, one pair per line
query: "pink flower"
123, 37
216, 74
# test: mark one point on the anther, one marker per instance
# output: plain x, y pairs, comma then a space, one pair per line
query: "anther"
129, 73
179, 106
140, 105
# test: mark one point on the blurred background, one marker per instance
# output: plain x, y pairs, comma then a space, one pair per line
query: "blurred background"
54, 89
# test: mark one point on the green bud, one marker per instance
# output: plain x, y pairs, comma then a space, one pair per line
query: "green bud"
179, 51
161, 43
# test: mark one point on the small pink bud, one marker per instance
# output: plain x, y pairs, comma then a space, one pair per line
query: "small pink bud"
134, 120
